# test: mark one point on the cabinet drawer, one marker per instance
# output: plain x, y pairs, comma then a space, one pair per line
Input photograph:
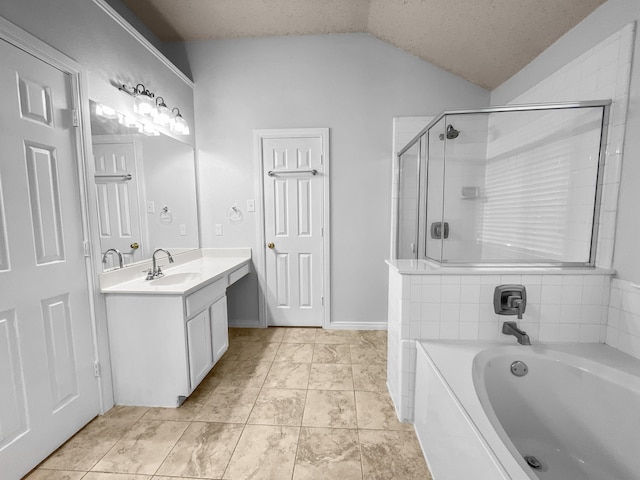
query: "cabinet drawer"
204, 297
238, 273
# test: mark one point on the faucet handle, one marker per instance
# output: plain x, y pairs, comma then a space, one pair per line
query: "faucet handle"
149, 274
158, 273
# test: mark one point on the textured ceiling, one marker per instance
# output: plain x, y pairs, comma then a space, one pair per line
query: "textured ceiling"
483, 41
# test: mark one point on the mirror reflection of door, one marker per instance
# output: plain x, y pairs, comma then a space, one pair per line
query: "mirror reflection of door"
116, 182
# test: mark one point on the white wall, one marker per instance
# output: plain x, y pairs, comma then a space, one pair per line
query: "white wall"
352, 83
605, 21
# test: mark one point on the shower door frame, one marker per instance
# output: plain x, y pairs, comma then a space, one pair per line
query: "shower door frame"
606, 107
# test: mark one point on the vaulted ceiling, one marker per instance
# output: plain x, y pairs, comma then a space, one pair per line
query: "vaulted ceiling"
483, 41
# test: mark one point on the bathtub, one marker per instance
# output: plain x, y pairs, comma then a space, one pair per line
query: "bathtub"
576, 411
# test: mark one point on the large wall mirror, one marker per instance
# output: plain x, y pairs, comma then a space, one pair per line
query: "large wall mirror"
145, 188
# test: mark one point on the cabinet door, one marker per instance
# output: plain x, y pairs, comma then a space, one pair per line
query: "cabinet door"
219, 327
200, 348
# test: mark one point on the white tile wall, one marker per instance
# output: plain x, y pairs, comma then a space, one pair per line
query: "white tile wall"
623, 327
560, 308
602, 72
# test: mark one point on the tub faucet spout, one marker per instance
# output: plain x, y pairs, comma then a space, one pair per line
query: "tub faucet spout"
511, 328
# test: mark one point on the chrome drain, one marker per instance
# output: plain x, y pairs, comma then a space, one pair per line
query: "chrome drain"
533, 462
519, 369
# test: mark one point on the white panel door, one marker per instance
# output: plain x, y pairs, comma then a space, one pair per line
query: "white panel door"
293, 203
48, 390
117, 196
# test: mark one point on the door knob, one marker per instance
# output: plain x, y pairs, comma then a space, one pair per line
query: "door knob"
135, 246
271, 245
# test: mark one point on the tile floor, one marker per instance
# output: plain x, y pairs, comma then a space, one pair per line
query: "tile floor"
283, 403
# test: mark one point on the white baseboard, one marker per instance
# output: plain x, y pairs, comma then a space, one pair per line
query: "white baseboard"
357, 326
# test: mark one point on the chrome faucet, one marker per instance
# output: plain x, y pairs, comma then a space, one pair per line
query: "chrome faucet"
156, 270
511, 328
117, 252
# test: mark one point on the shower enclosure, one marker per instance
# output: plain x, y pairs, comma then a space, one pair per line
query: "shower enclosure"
504, 185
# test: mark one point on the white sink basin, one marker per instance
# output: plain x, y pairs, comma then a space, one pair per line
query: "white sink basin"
176, 278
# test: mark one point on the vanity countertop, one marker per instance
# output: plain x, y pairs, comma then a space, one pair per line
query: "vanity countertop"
189, 274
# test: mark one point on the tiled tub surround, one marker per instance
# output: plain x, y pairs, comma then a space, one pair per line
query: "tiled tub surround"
427, 302
623, 319
282, 404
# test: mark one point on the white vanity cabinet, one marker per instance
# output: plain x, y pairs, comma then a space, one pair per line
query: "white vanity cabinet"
163, 344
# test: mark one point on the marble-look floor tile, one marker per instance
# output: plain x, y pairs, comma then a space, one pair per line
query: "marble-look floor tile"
44, 474
245, 374
328, 453
327, 376
227, 362
143, 448
264, 452
278, 407
367, 355
370, 378
328, 353
186, 412
121, 412
89, 445
266, 335
375, 412
299, 335
330, 408
372, 338
203, 451
333, 336
254, 351
390, 455
114, 476
288, 375
160, 477
295, 353
228, 405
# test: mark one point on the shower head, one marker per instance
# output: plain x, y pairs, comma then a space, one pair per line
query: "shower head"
452, 132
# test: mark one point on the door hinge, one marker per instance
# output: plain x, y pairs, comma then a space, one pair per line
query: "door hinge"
322, 231
86, 248
321, 159
322, 300
74, 118
96, 369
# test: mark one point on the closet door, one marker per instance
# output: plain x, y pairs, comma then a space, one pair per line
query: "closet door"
48, 390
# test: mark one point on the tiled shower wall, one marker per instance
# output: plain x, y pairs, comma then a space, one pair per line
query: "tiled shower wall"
560, 308
623, 323
602, 72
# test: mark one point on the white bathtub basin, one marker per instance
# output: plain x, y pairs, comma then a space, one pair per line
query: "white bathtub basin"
577, 410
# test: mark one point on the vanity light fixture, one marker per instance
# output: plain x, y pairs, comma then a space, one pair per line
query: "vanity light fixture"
142, 99
106, 111
162, 115
149, 130
145, 105
178, 124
